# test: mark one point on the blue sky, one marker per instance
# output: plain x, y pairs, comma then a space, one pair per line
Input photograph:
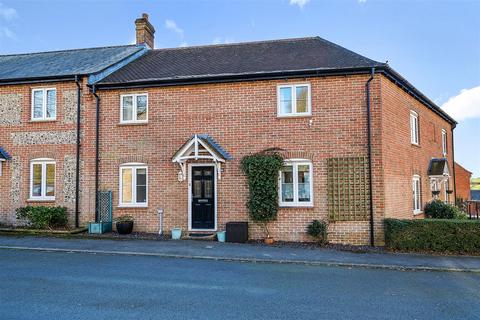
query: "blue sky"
434, 44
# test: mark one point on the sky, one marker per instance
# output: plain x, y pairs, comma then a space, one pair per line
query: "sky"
434, 44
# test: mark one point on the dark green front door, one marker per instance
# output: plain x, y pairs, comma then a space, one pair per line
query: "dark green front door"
203, 197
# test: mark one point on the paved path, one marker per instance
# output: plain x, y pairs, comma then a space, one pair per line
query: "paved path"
245, 252
59, 285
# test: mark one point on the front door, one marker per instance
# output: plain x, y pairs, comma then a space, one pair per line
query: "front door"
203, 197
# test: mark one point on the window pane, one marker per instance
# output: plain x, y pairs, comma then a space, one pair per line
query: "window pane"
142, 107
208, 185
304, 183
38, 104
197, 188
287, 183
37, 180
141, 185
302, 98
286, 100
51, 103
127, 108
50, 190
126, 185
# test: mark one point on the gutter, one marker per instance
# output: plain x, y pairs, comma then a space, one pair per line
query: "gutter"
97, 146
77, 171
369, 138
5, 82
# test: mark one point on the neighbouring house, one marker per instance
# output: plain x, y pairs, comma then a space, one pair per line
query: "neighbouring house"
165, 130
462, 182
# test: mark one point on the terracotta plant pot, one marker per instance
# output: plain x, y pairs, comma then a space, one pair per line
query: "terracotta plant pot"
268, 240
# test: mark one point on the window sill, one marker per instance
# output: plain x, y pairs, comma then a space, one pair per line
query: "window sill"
41, 200
296, 205
124, 206
287, 116
42, 120
415, 145
144, 123
416, 213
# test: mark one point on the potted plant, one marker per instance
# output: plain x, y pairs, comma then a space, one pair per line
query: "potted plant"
176, 233
124, 224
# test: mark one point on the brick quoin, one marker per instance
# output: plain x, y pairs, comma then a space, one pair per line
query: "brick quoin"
242, 118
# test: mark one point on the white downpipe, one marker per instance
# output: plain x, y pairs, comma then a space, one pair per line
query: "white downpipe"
160, 221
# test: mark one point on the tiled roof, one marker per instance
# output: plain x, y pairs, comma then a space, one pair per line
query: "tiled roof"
438, 167
208, 139
62, 63
249, 58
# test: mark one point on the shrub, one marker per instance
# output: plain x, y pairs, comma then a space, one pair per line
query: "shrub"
40, 217
445, 236
262, 176
124, 218
437, 209
318, 230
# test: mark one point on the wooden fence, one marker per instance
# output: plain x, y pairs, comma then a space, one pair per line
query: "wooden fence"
473, 209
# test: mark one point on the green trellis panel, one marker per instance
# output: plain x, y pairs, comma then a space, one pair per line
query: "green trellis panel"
348, 189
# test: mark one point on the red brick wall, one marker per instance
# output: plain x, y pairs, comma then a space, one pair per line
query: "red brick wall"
16, 121
401, 159
462, 182
242, 117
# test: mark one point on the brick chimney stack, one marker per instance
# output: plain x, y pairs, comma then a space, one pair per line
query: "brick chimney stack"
145, 31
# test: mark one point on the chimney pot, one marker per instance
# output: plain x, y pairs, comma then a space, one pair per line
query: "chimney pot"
144, 31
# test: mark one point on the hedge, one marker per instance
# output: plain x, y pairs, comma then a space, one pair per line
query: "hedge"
434, 235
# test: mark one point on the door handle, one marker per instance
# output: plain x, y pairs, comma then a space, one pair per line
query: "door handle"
202, 200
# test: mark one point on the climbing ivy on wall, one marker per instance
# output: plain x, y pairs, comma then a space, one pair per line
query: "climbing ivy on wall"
262, 171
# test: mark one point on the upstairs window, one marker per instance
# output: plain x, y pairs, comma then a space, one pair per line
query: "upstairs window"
414, 137
293, 100
134, 108
133, 185
44, 104
42, 179
417, 199
444, 142
295, 185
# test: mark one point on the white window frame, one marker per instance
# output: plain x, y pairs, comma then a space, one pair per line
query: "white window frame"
295, 203
134, 108
294, 112
444, 142
417, 193
445, 187
44, 105
414, 131
43, 162
134, 167
1, 166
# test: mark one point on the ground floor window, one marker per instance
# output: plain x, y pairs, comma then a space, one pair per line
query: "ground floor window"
133, 185
416, 194
446, 189
295, 186
42, 179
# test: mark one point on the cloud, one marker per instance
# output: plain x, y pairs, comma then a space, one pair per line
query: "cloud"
7, 13
171, 25
183, 44
7, 33
465, 105
299, 3
221, 40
